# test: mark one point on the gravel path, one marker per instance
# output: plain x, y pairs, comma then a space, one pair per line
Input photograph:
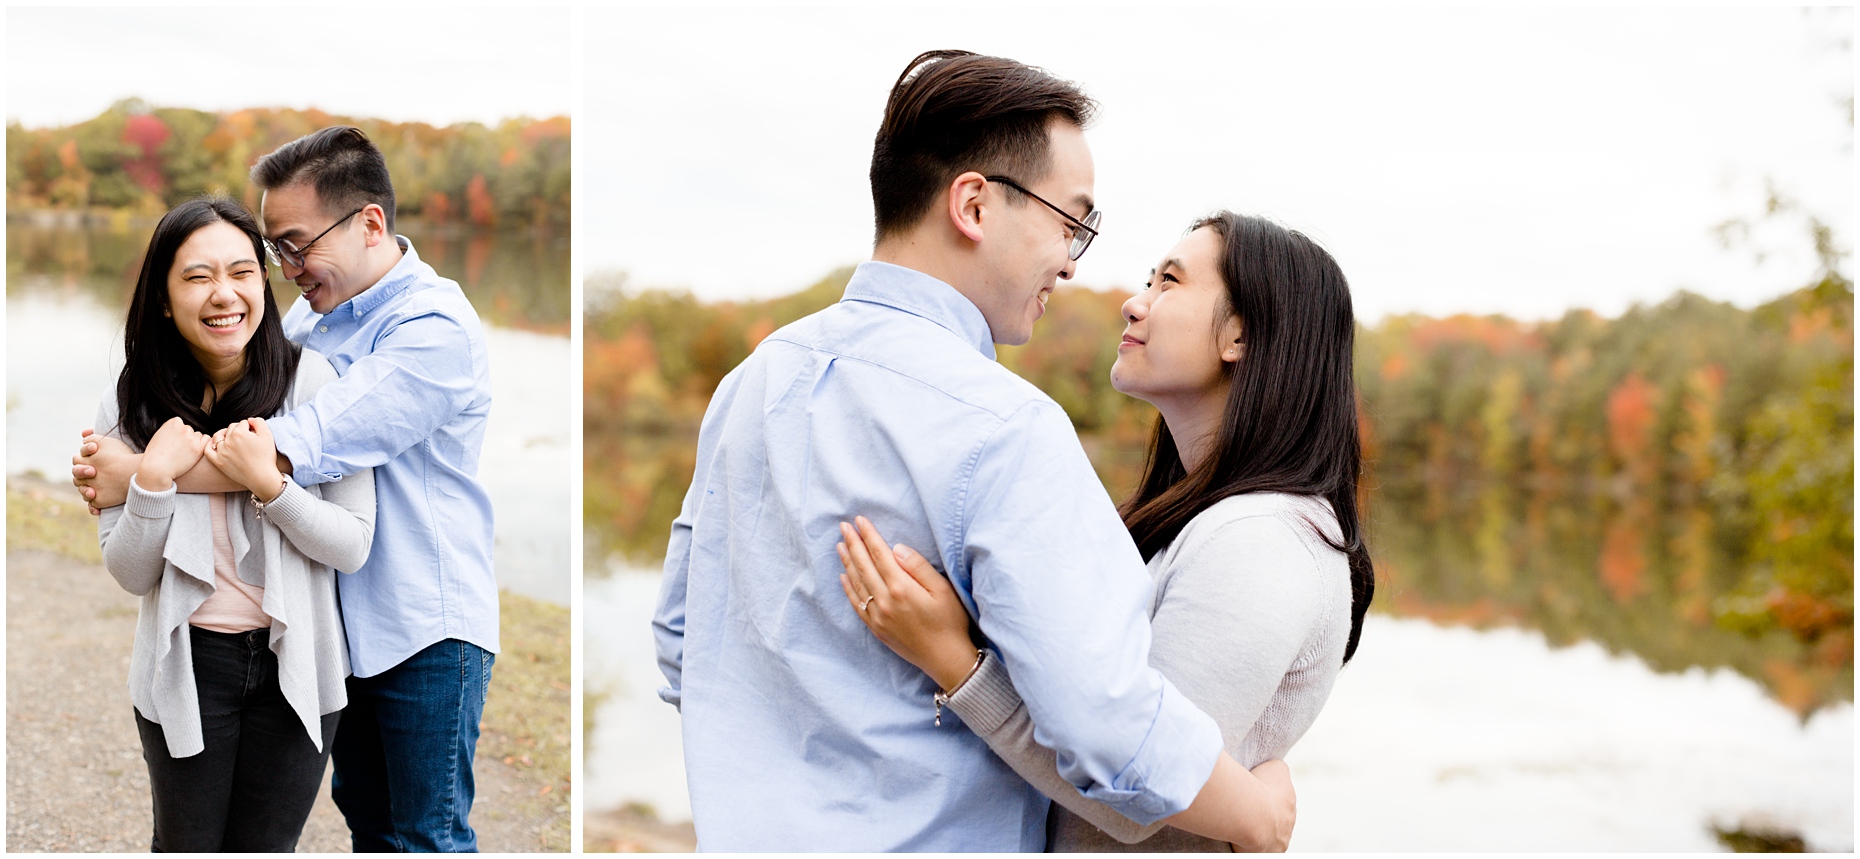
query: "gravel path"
75, 780
635, 830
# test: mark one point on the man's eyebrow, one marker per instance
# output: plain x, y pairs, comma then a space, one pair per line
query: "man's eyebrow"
1086, 201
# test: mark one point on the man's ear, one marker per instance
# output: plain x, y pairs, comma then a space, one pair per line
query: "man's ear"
374, 224
965, 204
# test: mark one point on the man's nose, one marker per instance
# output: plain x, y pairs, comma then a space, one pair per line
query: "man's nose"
1072, 267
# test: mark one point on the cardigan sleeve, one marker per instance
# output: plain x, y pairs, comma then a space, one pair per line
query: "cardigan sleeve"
992, 709
132, 534
337, 529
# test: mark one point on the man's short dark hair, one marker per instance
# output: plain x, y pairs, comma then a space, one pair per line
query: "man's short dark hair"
340, 161
955, 111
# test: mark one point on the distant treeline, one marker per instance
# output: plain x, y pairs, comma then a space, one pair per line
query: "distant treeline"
1639, 425
143, 159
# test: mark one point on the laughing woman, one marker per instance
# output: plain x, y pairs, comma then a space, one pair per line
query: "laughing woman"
1242, 341
238, 666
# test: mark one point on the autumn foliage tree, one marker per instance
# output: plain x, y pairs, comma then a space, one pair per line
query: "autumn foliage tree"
145, 159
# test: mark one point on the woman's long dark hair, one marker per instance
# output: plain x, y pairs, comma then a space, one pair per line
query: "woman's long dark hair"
1290, 419
161, 378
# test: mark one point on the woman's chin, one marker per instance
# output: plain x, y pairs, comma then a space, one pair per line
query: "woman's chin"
220, 351
1120, 382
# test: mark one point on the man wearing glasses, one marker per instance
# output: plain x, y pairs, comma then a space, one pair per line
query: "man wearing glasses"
411, 402
801, 730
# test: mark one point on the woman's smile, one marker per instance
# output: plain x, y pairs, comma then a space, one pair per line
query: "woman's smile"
1176, 327
216, 295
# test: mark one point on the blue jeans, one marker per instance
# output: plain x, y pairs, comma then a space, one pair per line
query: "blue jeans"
404, 750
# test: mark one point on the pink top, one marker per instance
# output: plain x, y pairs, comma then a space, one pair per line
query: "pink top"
234, 606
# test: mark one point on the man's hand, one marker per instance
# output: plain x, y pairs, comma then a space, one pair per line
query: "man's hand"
1277, 778
171, 451
246, 453
1254, 811
101, 470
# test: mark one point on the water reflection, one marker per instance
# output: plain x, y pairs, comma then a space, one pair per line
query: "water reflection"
1436, 738
1624, 573
1584, 566
516, 278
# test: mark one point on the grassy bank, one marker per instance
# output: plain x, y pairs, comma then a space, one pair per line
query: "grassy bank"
526, 718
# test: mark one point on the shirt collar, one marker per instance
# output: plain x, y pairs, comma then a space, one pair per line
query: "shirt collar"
924, 296
403, 275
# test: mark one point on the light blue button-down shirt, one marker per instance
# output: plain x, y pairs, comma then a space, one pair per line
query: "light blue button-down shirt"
411, 401
801, 730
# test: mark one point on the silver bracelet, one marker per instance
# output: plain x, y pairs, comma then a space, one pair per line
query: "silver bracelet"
941, 697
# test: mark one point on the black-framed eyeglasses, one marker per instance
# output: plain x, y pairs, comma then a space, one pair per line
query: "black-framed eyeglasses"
283, 251
1084, 231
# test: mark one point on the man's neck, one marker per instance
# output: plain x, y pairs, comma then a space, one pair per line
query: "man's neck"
381, 260
917, 254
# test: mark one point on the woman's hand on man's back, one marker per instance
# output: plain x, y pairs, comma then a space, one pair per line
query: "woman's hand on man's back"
907, 604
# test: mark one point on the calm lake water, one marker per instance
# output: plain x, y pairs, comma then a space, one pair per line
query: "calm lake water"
67, 293
1544, 672
1435, 738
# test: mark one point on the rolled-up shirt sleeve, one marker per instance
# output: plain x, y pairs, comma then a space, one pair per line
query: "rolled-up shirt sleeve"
420, 375
1062, 594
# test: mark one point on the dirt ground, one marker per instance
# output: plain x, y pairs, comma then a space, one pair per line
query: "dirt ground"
75, 780
635, 830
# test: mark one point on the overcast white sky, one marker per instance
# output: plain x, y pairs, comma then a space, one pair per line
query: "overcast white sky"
426, 64
1454, 160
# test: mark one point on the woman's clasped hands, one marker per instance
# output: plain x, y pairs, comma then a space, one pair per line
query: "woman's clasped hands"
246, 453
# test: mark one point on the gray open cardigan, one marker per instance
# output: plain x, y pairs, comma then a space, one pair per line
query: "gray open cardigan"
159, 546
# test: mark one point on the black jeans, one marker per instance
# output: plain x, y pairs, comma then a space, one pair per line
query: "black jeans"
251, 789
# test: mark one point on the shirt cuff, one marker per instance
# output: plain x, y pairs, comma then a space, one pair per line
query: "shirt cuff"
291, 440
1170, 768
149, 505
988, 698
